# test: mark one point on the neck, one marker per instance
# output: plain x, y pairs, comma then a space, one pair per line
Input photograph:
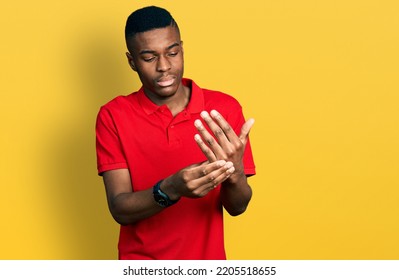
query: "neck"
176, 103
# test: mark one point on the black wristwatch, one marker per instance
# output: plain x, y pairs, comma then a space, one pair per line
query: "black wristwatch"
160, 197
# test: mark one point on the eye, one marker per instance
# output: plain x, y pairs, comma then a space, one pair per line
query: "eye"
148, 59
173, 53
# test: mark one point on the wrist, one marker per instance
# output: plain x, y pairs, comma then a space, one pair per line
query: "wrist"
160, 197
169, 189
237, 177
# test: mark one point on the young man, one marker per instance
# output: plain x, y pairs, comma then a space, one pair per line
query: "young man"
172, 155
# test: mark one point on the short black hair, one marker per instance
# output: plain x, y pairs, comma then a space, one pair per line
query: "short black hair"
146, 19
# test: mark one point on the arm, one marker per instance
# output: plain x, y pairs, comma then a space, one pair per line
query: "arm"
235, 192
195, 181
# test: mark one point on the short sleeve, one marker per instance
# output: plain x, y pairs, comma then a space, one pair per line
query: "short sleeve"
109, 150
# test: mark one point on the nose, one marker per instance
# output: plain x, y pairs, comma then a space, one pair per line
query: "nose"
163, 64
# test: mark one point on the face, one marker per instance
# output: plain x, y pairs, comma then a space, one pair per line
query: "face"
157, 57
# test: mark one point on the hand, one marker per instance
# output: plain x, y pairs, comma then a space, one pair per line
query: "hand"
227, 145
197, 180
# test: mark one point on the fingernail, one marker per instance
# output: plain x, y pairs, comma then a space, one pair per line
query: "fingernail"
198, 123
231, 170
229, 164
214, 113
197, 137
204, 114
221, 163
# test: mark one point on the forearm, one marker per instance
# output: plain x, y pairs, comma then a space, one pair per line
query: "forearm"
236, 194
194, 181
129, 208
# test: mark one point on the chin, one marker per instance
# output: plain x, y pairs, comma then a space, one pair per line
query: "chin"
167, 91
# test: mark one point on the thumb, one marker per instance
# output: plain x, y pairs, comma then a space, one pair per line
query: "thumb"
246, 128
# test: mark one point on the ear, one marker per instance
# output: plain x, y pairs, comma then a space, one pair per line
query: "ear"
130, 61
181, 44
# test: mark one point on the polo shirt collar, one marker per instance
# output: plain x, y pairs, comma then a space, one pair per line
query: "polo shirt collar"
195, 105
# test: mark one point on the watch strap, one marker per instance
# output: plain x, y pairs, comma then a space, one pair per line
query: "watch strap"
160, 197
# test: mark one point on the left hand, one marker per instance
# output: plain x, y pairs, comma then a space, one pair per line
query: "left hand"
227, 145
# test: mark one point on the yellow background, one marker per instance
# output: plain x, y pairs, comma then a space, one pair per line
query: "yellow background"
319, 77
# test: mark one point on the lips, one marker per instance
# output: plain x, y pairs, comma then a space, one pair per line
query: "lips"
166, 81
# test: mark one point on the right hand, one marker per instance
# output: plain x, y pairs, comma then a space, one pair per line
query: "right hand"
197, 180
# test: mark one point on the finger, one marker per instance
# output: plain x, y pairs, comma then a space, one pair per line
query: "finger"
205, 149
215, 128
222, 175
212, 179
205, 189
246, 128
205, 169
225, 126
209, 140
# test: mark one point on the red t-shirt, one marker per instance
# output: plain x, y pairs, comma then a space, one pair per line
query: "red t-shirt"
134, 133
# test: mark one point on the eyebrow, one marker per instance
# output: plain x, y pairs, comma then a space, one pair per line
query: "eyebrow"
152, 52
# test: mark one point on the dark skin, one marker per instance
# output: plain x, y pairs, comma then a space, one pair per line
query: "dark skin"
157, 57
235, 191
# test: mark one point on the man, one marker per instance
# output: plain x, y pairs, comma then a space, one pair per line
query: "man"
169, 154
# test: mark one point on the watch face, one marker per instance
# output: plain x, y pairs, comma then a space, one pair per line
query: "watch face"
160, 200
